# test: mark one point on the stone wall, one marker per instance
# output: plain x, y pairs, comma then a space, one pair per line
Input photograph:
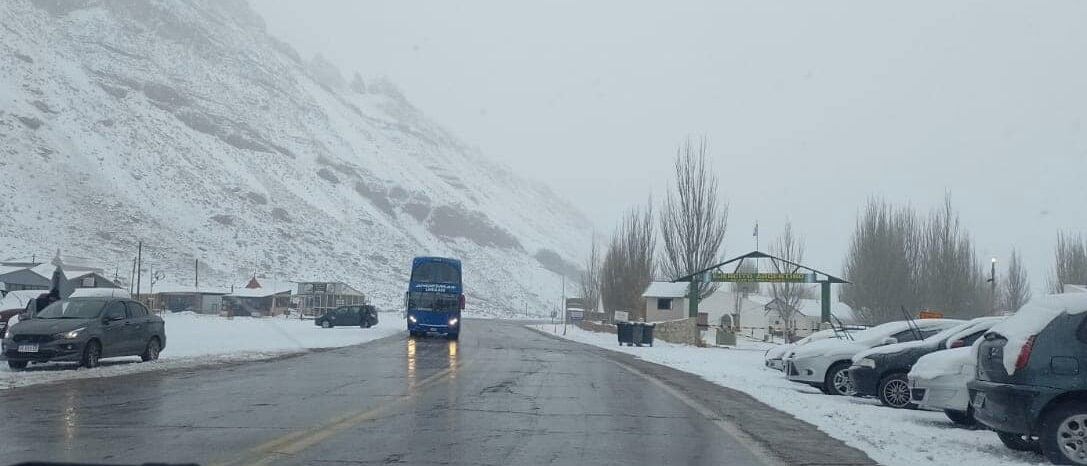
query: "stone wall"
682, 331
595, 326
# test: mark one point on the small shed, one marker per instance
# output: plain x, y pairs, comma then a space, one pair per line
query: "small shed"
257, 300
203, 300
665, 301
316, 298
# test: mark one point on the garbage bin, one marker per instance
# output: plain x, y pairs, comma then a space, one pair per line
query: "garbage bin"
647, 334
624, 332
636, 330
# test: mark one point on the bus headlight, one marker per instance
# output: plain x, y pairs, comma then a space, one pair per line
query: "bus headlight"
412, 319
453, 321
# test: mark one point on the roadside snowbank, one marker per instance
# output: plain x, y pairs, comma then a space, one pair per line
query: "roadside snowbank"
888, 436
196, 339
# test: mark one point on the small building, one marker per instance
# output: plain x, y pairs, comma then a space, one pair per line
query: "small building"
753, 315
259, 300
204, 300
316, 298
665, 301
40, 277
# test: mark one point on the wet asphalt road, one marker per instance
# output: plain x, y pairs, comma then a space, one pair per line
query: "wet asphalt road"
503, 395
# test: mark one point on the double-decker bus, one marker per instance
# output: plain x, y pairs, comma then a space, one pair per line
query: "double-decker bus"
435, 297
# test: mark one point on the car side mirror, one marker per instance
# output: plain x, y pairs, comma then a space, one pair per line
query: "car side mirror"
889, 341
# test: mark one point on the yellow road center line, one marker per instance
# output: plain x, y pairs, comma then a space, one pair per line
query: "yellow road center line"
294, 443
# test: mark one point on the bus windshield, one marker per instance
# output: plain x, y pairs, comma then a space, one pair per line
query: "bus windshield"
430, 301
436, 272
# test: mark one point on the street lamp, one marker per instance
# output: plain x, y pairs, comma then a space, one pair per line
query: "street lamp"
992, 287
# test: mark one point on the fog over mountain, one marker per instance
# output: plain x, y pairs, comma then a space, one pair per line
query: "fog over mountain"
189, 127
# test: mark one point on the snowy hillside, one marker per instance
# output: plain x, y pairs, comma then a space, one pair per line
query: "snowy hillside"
185, 125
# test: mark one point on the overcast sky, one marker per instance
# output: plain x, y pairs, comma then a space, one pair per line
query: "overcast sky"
809, 107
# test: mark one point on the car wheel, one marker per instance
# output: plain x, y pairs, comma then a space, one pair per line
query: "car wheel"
894, 391
837, 380
326, 324
92, 351
17, 364
1019, 442
151, 352
962, 418
1063, 437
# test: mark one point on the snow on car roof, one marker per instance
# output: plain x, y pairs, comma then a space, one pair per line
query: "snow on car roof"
976, 325
1032, 318
18, 299
940, 363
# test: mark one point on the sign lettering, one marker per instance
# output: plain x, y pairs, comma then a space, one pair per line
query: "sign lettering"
753, 277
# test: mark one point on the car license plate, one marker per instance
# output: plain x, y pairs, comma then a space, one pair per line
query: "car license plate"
979, 400
28, 348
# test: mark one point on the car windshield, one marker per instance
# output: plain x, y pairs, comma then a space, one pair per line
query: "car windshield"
73, 309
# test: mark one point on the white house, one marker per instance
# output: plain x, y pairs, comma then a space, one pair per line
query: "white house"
665, 301
750, 314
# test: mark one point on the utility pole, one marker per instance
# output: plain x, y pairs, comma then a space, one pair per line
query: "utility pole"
132, 278
564, 317
992, 288
139, 266
197, 275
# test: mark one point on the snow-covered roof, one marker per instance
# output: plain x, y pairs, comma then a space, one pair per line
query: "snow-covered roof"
257, 292
100, 293
665, 290
814, 308
188, 289
45, 270
4, 269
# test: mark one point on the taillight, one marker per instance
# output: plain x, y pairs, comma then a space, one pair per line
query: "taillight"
958, 344
1024, 354
460, 302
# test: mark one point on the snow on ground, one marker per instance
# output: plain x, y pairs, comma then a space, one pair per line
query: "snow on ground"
889, 436
196, 340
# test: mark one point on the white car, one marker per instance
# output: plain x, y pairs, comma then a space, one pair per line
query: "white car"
775, 357
825, 364
938, 381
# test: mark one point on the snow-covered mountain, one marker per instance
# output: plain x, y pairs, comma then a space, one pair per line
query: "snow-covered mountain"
183, 124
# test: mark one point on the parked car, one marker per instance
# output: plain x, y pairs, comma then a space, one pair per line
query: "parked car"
775, 357
825, 364
85, 330
13, 304
1030, 386
938, 381
364, 316
881, 372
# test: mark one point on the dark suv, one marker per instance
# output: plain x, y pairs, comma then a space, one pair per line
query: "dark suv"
881, 372
1030, 383
364, 316
85, 330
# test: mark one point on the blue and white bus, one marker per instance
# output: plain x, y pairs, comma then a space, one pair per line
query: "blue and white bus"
435, 297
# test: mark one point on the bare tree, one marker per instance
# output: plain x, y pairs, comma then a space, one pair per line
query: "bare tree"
589, 281
1016, 285
693, 220
790, 247
628, 264
1070, 266
950, 277
883, 263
